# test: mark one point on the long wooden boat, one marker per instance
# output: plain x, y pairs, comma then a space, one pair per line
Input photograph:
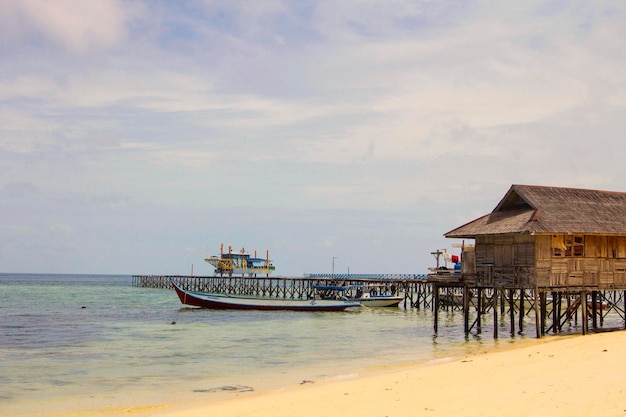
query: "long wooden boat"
238, 302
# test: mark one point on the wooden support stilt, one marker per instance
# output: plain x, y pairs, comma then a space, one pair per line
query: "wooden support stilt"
603, 300
466, 304
512, 311
543, 309
479, 311
495, 313
537, 314
583, 301
555, 312
594, 309
436, 306
521, 310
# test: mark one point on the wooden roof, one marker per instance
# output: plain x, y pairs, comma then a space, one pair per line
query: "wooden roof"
541, 209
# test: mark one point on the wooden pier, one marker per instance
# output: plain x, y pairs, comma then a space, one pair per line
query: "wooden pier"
550, 310
417, 291
483, 307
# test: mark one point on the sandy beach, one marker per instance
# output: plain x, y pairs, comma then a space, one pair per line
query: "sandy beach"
555, 376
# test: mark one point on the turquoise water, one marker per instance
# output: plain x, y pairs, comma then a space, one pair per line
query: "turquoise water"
94, 342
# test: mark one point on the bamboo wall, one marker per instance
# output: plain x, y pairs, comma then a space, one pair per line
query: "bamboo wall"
505, 260
551, 261
581, 261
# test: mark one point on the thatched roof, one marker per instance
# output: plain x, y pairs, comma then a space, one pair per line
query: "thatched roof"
538, 209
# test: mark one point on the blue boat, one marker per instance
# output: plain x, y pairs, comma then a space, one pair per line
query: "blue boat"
368, 294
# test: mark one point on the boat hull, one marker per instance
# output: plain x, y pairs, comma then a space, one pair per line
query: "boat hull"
224, 301
379, 301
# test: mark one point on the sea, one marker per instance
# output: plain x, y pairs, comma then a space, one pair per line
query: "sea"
96, 345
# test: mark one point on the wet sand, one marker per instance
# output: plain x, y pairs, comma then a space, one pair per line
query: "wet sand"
556, 376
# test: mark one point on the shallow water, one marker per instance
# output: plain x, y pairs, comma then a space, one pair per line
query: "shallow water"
93, 342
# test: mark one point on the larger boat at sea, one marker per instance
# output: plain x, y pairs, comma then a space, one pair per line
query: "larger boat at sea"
240, 263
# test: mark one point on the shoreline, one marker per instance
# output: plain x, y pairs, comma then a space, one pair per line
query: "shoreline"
560, 375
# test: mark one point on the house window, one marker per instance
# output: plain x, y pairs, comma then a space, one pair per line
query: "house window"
578, 246
558, 246
568, 246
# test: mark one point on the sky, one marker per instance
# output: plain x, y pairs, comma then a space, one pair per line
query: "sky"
138, 136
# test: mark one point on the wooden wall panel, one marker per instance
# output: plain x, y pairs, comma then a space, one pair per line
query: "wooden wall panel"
543, 247
606, 265
525, 253
595, 246
621, 247
575, 279
484, 250
612, 246
503, 255
468, 266
542, 277
586, 278
558, 279
590, 265
543, 264
559, 266
606, 278
531, 259
619, 279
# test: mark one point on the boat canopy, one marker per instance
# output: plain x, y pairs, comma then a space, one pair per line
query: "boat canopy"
329, 287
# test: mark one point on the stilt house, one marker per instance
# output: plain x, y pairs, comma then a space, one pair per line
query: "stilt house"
548, 238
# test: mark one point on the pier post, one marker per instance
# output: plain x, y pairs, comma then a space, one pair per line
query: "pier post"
594, 309
583, 300
495, 313
436, 306
466, 303
544, 311
555, 312
479, 310
521, 310
512, 311
537, 313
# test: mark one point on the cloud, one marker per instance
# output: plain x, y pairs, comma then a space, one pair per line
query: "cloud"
423, 110
61, 229
78, 27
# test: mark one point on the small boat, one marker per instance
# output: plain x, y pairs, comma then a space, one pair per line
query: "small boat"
366, 294
242, 302
369, 300
240, 263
